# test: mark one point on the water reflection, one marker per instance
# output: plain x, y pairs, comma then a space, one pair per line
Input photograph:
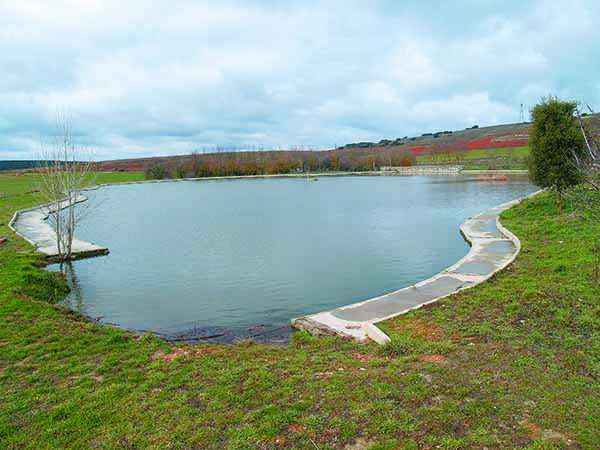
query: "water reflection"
75, 299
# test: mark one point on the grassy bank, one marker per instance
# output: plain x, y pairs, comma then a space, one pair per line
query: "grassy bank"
512, 363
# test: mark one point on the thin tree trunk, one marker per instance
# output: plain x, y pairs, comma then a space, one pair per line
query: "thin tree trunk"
71, 224
58, 228
597, 269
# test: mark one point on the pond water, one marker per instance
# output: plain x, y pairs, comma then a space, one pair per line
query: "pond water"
241, 253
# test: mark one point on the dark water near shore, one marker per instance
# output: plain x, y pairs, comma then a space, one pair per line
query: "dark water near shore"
216, 255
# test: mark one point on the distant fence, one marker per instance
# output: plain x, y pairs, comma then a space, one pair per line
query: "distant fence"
422, 170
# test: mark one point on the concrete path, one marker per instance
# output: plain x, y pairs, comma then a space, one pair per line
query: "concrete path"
32, 225
493, 247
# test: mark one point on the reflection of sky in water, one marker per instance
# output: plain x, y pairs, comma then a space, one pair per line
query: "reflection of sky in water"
246, 252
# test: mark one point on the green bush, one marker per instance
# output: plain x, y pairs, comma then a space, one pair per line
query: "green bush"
556, 144
155, 172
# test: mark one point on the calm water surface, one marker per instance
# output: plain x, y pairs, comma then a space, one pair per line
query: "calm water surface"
247, 252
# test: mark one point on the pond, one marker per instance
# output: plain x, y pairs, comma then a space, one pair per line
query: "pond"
191, 257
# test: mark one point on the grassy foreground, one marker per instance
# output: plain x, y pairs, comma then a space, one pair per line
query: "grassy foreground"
512, 363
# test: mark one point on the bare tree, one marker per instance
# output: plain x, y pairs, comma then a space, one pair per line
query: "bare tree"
586, 197
589, 165
66, 171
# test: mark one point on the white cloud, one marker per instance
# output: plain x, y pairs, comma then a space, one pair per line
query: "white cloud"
413, 67
465, 109
179, 75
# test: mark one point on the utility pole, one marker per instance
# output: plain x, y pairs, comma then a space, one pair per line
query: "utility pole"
522, 114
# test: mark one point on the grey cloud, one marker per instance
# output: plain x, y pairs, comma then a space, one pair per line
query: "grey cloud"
166, 79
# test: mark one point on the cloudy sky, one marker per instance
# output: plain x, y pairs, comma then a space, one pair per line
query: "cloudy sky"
156, 78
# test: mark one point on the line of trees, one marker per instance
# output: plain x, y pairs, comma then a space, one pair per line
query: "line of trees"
276, 162
445, 156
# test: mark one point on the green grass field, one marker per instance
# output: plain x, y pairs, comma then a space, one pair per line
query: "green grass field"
19, 183
512, 363
505, 158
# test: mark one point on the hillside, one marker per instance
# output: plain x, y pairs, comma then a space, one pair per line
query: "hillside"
500, 136
495, 147
480, 144
496, 137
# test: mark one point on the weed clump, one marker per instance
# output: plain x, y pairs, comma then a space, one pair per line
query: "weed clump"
43, 285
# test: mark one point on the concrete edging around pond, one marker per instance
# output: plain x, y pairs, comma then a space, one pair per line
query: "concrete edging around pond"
32, 225
493, 247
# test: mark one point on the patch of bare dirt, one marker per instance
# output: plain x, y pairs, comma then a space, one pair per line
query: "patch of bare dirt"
533, 431
280, 441
551, 435
323, 375
363, 357
180, 352
434, 359
331, 434
424, 329
197, 402
97, 378
360, 444
296, 428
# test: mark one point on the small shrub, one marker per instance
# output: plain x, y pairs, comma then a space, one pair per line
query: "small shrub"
180, 172
406, 161
155, 172
117, 339
400, 346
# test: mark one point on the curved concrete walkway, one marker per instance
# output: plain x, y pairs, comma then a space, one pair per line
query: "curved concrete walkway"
493, 248
32, 225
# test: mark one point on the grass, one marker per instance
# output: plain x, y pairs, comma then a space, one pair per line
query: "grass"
495, 158
512, 363
19, 183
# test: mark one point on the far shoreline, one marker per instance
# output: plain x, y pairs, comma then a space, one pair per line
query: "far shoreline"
310, 175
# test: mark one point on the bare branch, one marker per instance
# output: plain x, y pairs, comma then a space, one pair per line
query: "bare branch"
66, 170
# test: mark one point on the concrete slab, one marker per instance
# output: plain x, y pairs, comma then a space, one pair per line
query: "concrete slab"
501, 247
32, 225
477, 267
493, 247
404, 299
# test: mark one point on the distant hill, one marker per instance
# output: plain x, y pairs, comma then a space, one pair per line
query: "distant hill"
475, 138
471, 141
472, 138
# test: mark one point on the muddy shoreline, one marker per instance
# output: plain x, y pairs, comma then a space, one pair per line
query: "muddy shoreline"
260, 334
